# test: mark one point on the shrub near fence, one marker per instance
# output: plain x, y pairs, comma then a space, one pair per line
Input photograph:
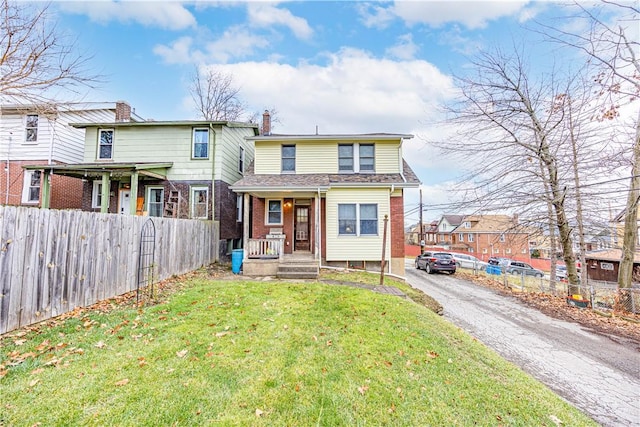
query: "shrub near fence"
52, 261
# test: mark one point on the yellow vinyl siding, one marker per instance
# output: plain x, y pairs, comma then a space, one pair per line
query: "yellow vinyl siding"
360, 248
321, 156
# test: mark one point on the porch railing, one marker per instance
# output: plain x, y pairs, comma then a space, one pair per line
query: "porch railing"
265, 248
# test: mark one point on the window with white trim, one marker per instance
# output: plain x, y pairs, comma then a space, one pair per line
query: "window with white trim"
155, 201
357, 219
96, 195
200, 143
484, 250
199, 202
274, 212
467, 224
31, 128
364, 161
461, 237
470, 237
31, 186
105, 144
288, 158
241, 160
239, 202
508, 250
502, 239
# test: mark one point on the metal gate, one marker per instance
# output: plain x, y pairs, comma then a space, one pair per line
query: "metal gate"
146, 261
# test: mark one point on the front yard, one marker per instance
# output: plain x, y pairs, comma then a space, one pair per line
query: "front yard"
236, 352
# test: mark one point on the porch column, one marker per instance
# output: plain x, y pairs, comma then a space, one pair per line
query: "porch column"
45, 185
318, 227
245, 223
133, 205
106, 190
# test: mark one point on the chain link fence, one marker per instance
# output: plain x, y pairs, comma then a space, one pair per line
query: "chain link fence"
593, 294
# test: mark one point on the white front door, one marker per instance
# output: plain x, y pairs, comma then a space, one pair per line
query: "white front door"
125, 202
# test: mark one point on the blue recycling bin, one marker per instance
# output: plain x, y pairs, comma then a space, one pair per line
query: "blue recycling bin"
236, 260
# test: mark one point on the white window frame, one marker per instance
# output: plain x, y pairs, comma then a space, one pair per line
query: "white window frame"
356, 157
352, 158
239, 203
27, 128
193, 143
241, 160
608, 266
149, 189
358, 219
467, 224
508, 250
470, 237
360, 157
484, 250
470, 250
113, 137
192, 201
461, 237
96, 194
26, 187
267, 212
502, 238
282, 158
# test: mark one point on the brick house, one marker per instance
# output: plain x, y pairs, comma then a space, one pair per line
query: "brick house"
42, 134
325, 197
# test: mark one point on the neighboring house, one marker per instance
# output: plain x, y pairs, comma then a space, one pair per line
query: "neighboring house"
41, 134
431, 233
444, 229
180, 169
604, 265
490, 235
617, 225
326, 197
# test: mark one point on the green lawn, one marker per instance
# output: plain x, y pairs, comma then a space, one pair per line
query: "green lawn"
266, 353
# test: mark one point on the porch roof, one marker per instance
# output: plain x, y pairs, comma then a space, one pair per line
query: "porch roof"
95, 170
312, 182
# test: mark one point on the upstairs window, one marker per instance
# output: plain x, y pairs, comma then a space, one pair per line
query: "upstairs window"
470, 237
461, 237
200, 148
345, 157
367, 158
288, 158
241, 160
31, 189
105, 144
31, 128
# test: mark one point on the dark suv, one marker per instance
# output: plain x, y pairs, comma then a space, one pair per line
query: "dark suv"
436, 261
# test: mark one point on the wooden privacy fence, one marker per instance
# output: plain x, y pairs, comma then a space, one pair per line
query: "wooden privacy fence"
52, 261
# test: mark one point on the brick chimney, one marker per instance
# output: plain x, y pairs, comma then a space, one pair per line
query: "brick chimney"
123, 111
266, 123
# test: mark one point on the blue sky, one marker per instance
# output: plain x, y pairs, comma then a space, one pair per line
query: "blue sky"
344, 66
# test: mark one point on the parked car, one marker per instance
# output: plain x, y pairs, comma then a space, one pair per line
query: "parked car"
561, 272
499, 261
468, 261
436, 261
517, 267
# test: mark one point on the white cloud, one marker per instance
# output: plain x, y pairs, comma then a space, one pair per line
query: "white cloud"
179, 52
374, 16
405, 48
263, 15
471, 14
167, 15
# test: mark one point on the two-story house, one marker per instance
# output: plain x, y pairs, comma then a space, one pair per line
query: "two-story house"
180, 169
443, 234
327, 197
491, 235
41, 134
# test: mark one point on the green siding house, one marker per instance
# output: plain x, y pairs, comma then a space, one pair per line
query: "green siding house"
180, 169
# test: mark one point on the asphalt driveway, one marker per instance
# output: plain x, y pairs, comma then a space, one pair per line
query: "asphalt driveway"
597, 373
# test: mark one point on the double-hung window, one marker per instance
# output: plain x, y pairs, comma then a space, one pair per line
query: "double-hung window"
155, 201
470, 237
31, 128
241, 160
274, 212
200, 146
96, 195
345, 157
288, 158
31, 189
461, 237
357, 219
239, 203
105, 144
199, 202
367, 158
356, 158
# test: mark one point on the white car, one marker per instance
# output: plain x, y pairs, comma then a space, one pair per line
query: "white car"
468, 261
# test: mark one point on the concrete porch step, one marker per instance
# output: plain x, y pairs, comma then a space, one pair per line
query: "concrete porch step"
302, 269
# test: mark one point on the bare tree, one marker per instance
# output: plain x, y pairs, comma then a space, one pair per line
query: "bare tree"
215, 95
614, 49
35, 57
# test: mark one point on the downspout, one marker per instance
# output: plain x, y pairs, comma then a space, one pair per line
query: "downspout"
319, 228
213, 176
